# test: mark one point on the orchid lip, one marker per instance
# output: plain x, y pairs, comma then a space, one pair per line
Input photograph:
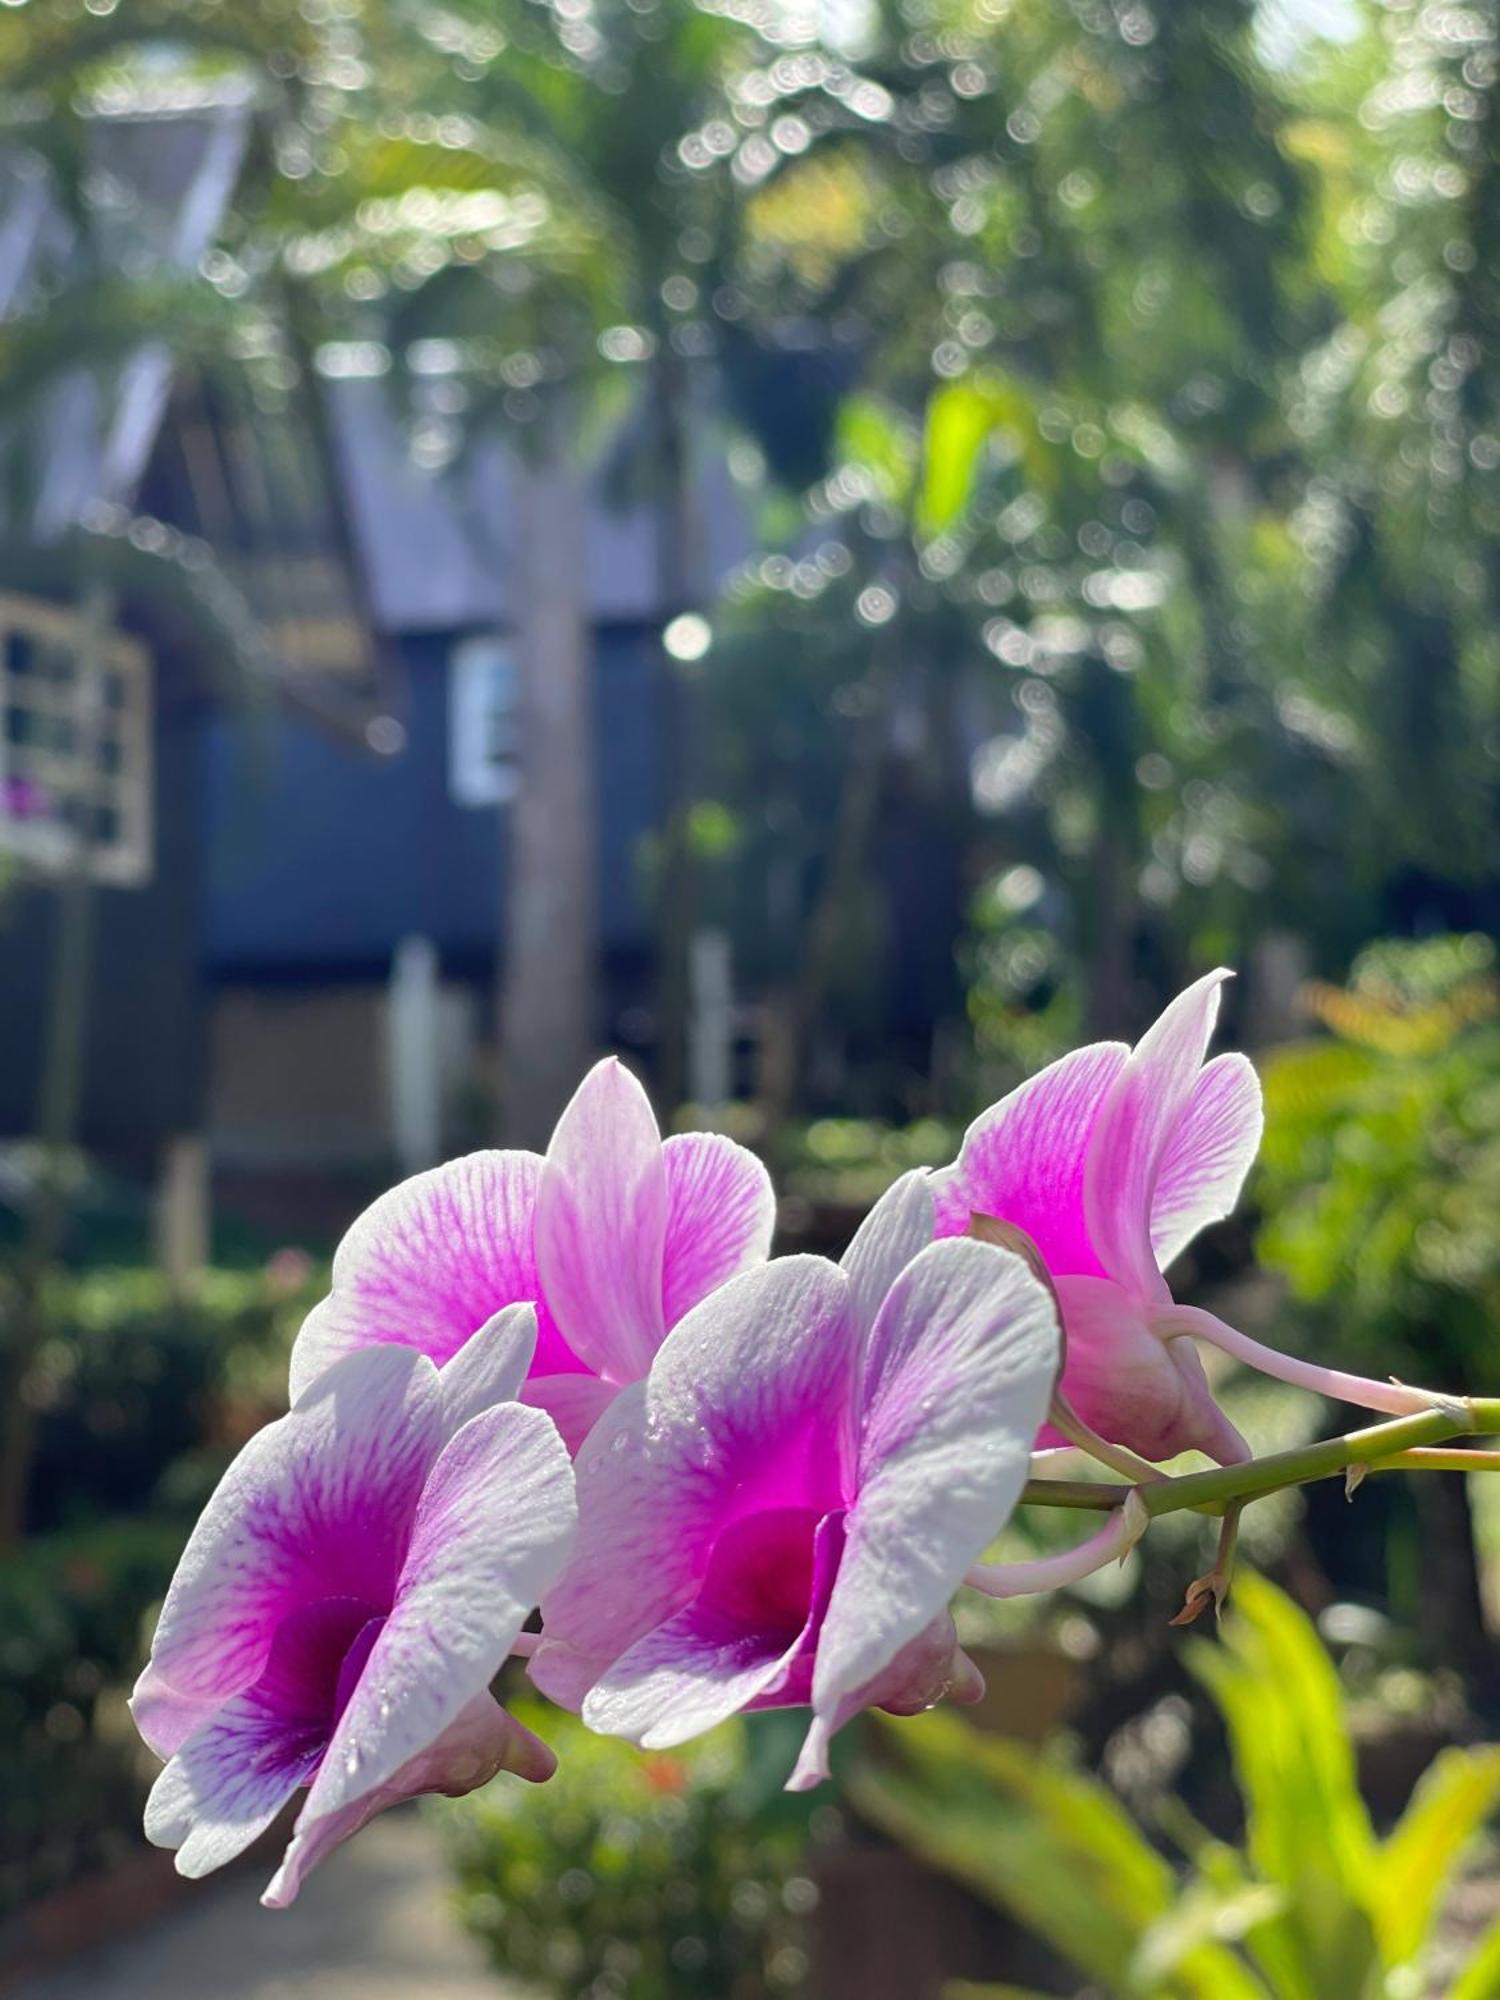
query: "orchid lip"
762, 1569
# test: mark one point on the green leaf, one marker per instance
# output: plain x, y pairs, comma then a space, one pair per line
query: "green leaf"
1203, 1914
1480, 1978
1047, 1844
1306, 1825
961, 419
1455, 1797
876, 436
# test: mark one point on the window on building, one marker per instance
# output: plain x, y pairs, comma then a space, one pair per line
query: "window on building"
75, 745
484, 695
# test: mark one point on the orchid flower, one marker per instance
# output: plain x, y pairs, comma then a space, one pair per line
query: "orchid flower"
614, 1236
1112, 1160
780, 1513
352, 1587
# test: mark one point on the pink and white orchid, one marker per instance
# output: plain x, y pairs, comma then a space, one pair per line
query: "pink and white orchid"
351, 1589
1112, 1160
614, 1235
781, 1512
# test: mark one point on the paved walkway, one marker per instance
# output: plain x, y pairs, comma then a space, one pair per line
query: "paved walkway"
373, 1923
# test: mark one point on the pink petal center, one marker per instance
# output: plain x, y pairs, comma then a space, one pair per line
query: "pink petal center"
760, 1572
772, 1574
303, 1675
353, 1664
316, 1660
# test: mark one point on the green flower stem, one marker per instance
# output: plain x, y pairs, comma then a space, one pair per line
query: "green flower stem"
1091, 1495
1428, 1459
1326, 1459
1401, 1445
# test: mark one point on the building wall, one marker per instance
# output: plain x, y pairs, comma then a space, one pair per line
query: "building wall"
321, 858
302, 1076
144, 1064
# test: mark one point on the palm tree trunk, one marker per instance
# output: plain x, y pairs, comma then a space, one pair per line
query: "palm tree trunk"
548, 973
796, 1016
677, 569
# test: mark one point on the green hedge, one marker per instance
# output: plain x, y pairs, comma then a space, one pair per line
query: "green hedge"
141, 1398
665, 1876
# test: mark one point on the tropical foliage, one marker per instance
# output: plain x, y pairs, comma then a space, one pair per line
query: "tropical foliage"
1106, 395
1309, 1900
1381, 1166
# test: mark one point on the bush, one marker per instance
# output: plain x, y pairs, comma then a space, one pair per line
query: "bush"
1380, 1171
131, 1376
73, 1616
668, 1876
141, 1397
1311, 1902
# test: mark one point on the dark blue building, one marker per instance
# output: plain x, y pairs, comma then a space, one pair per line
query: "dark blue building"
348, 795
333, 833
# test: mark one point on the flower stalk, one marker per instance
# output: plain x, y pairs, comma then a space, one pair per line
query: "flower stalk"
1111, 1543
1397, 1399
1406, 1444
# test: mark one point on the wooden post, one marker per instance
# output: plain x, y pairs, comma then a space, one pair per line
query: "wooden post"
414, 1055
711, 1020
181, 1209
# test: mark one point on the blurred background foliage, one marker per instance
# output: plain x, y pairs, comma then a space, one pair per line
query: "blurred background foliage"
142, 1398
1309, 1901
1110, 389
1381, 1167
632, 1875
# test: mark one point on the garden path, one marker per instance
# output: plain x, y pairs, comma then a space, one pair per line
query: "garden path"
373, 1923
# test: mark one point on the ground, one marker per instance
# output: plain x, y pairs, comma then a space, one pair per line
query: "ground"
373, 1923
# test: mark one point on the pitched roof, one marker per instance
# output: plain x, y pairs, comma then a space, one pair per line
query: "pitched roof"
163, 172
436, 547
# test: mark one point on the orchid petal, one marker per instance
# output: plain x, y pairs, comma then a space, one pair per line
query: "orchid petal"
165, 1717
928, 1669
316, 1505
811, 1767
575, 1403
690, 1674
721, 1211
492, 1530
430, 1263
601, 1225
1022, 1161
481, 1741
1133, 1386
491, 1367
1131, 1137
901, 1224
735, 1417
1211, 1150
960, 1369
925, 1670
228, 1782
